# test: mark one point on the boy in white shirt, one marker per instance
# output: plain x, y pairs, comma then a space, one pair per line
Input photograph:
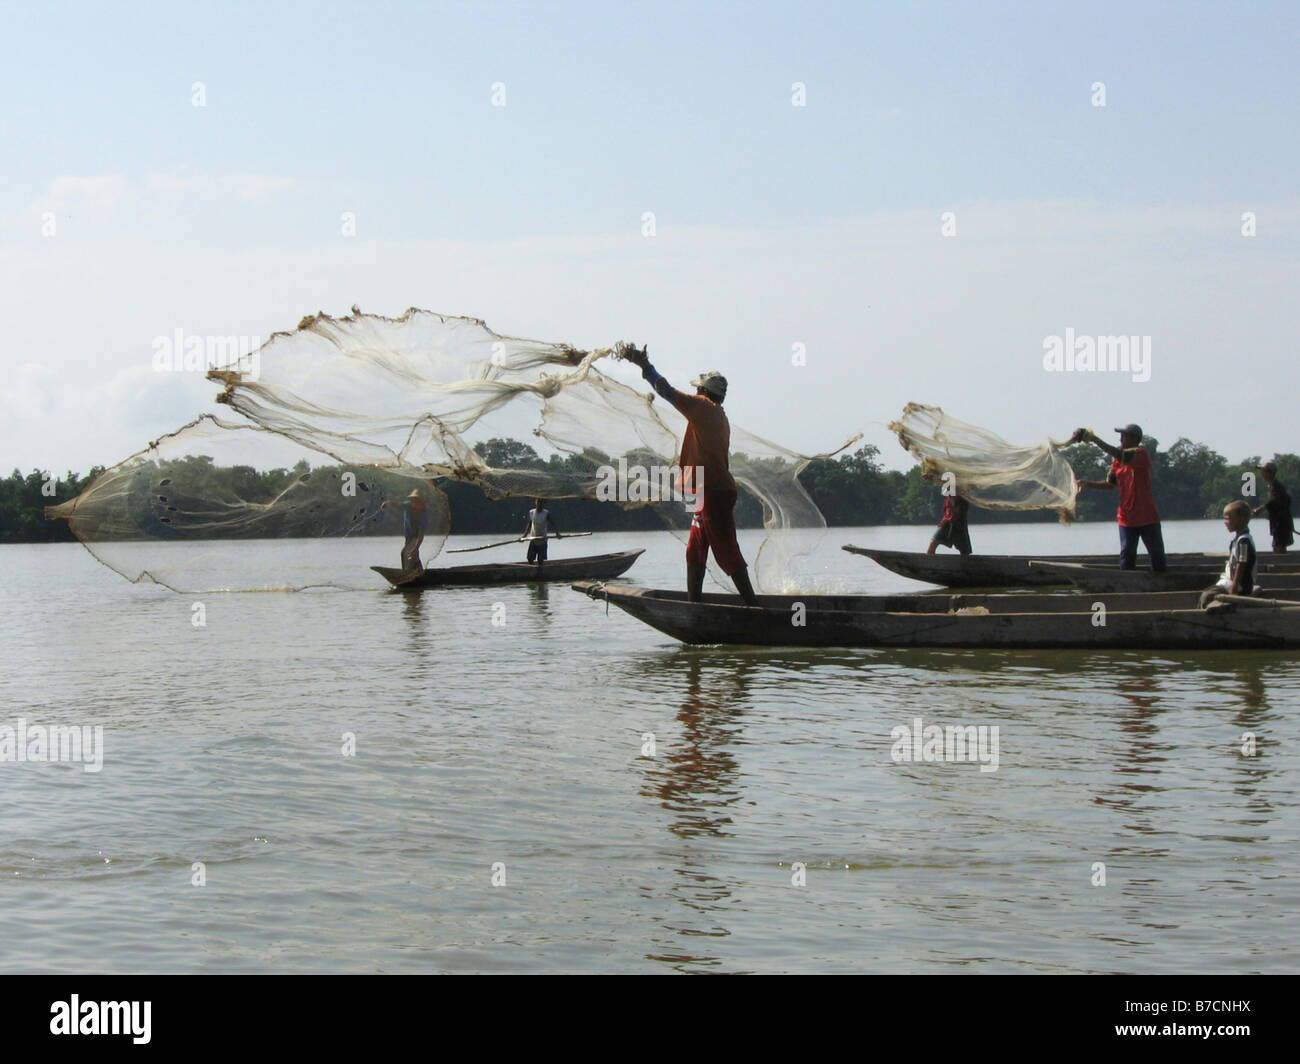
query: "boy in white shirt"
1239, 573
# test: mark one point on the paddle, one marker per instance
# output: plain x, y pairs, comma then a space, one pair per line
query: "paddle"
1259, 603
507, 542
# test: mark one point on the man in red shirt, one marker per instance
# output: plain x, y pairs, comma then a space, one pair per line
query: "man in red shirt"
1131, 473
706, 447
954, 529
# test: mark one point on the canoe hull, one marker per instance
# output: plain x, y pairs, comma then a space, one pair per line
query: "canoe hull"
1098, 580
985, 570
591, 567
866, 621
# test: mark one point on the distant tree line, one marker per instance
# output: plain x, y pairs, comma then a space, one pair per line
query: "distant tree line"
1191, 481
23, 500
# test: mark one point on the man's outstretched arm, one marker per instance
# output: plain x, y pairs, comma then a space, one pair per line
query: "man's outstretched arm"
656, 380
1088, 436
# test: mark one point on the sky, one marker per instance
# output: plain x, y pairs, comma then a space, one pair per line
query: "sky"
854, 206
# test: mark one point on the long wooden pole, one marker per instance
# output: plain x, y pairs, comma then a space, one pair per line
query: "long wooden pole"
507, 542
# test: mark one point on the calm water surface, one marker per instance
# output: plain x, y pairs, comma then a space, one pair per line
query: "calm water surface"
520, 746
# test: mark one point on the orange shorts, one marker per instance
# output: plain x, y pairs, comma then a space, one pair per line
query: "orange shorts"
714, 528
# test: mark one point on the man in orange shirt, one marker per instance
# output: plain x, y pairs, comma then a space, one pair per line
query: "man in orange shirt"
706, 447
1130, 472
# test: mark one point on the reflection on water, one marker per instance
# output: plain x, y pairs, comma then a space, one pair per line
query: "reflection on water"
518, 741
539, 600
697, 782
1255, 720
698, 778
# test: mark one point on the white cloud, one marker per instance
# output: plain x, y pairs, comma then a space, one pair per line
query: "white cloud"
27, 392
121, 207
130, 384
72, 193
246, 188
889, 311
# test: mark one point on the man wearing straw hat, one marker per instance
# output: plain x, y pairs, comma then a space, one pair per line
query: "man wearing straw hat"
414, 509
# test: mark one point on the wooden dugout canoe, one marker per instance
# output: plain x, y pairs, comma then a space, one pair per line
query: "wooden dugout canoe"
591, 567
1108, 579
1132, 622
1019, 570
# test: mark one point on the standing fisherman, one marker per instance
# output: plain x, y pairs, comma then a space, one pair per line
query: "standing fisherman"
414, 518
1280, 523
539, 517
705, 447
1131, 473
954, 529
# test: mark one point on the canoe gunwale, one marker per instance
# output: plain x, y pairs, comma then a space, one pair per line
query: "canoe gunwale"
1098, 580
731, 623
1026, 570
559, 570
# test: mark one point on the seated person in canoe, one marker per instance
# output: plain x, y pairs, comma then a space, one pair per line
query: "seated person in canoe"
1239, 574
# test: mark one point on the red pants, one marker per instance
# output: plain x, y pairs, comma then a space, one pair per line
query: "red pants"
714, 528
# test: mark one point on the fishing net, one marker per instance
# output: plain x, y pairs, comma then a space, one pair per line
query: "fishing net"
341, 415
989, 471
186, 511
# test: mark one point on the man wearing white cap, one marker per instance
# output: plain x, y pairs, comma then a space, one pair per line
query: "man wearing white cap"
706, 454
1130, 472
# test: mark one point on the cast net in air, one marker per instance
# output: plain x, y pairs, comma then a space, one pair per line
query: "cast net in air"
987, 470
341, 415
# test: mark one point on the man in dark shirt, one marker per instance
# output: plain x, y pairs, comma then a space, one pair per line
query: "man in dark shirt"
414, 517
1280, 523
